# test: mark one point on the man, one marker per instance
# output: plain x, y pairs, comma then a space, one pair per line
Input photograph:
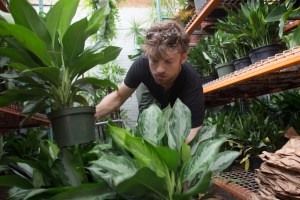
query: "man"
164, 73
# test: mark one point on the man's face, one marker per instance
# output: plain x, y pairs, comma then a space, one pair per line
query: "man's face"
166, 70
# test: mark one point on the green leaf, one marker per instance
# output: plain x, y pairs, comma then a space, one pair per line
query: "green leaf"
142, 184
118, 135
95, 82
97, 19
223, 161
81, 100
59, 17
146, 155
13, 180
169, 156
73, 41
113, 169
276, 13
206, 154
92, 191
24, 14
10, 96
87, 60
32, 107
144, 152
20, 56
151, 124
27, 39
185, 152
205, 132
201, 186
47, 74
179, 124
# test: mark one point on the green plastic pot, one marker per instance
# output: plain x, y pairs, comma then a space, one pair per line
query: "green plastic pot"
73, 125
224, 68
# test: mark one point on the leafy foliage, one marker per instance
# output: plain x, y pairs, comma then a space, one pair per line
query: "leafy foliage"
249, 23
50, 56
160, 168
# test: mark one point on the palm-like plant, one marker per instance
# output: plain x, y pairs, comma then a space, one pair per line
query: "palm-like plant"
50, 57
220, 48
249, 23
199, 58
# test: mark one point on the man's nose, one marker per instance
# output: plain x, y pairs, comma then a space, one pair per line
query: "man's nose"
160, 68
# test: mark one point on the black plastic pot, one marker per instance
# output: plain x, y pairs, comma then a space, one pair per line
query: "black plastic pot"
242, 63
224, 68
255, 162
209, 78
73, 125
263, 52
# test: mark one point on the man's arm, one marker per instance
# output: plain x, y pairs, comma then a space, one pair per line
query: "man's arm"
113, 101
192, 134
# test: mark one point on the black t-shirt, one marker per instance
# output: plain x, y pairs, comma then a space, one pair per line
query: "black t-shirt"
187, 87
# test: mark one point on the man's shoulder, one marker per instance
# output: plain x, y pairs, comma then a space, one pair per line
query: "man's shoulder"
190, 71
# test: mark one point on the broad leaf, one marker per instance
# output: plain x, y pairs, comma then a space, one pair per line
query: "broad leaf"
113, 169
81, 100
201, 186
144, 152
179, 123
73, 41
13, 180
223, 160
88, 60
13, 95
47, 74
32, 107
205, 132
97, 19
151, 124
28, 39
205, 155
118, 135
59, 17
146, 155
169, 156
20, 56
142, 184
25, 15
95, 82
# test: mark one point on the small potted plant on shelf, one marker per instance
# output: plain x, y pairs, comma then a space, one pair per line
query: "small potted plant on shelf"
220, 52
201, 62
250, 23
50, 57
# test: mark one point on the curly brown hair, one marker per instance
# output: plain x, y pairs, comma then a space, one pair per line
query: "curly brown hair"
166, 36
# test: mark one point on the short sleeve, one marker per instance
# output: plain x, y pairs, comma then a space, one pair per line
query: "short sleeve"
134, 75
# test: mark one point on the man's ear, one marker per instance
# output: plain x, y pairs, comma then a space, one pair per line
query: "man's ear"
184, 57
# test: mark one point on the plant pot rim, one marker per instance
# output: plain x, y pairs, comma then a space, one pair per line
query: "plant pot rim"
223, 64
71, 110
269, 45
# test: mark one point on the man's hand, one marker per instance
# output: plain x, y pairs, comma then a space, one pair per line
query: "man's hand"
192, 134
113, 101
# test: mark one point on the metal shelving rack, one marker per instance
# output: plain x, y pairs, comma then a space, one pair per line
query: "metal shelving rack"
277, 73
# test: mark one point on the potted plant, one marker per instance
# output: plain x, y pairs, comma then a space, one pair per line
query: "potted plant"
201, 62
156, 163
50, 56
220, 52
250, 23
